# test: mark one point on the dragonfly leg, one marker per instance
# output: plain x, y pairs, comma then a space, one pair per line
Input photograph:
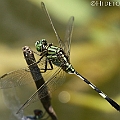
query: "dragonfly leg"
36, 53
51, 65
46, 65
42, 55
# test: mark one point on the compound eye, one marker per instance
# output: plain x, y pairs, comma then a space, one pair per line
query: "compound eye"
44, 42
37, 42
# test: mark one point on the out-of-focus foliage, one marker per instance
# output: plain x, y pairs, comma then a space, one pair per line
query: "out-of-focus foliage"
94, 51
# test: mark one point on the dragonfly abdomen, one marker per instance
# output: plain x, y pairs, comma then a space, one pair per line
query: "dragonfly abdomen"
69, 68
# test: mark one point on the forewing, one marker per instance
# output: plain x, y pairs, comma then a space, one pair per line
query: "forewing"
15, 78
20, 77
68, 36
49, 18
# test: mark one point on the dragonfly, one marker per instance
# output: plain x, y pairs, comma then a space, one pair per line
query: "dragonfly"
55, 57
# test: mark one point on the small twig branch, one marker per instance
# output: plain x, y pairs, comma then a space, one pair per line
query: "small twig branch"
36, 74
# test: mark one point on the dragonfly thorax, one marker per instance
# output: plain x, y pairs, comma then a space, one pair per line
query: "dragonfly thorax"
59, 58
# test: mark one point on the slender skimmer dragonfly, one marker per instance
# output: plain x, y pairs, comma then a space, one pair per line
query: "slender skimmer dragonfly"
52, 55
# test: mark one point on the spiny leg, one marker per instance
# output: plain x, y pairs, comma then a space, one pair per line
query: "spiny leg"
43, 54
113, 103
51, 65
46, 65
46, 62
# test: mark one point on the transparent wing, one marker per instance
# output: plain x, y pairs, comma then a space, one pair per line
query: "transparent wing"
61, 43
50, 85
15, 78
21, 76
68, 36
66, 44
12, 102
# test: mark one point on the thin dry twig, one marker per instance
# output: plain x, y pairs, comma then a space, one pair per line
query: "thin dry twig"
35, 71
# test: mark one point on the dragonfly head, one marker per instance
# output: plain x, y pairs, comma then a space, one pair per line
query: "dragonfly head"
41, 45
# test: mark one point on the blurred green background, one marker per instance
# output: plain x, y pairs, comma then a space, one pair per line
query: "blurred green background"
94, 53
